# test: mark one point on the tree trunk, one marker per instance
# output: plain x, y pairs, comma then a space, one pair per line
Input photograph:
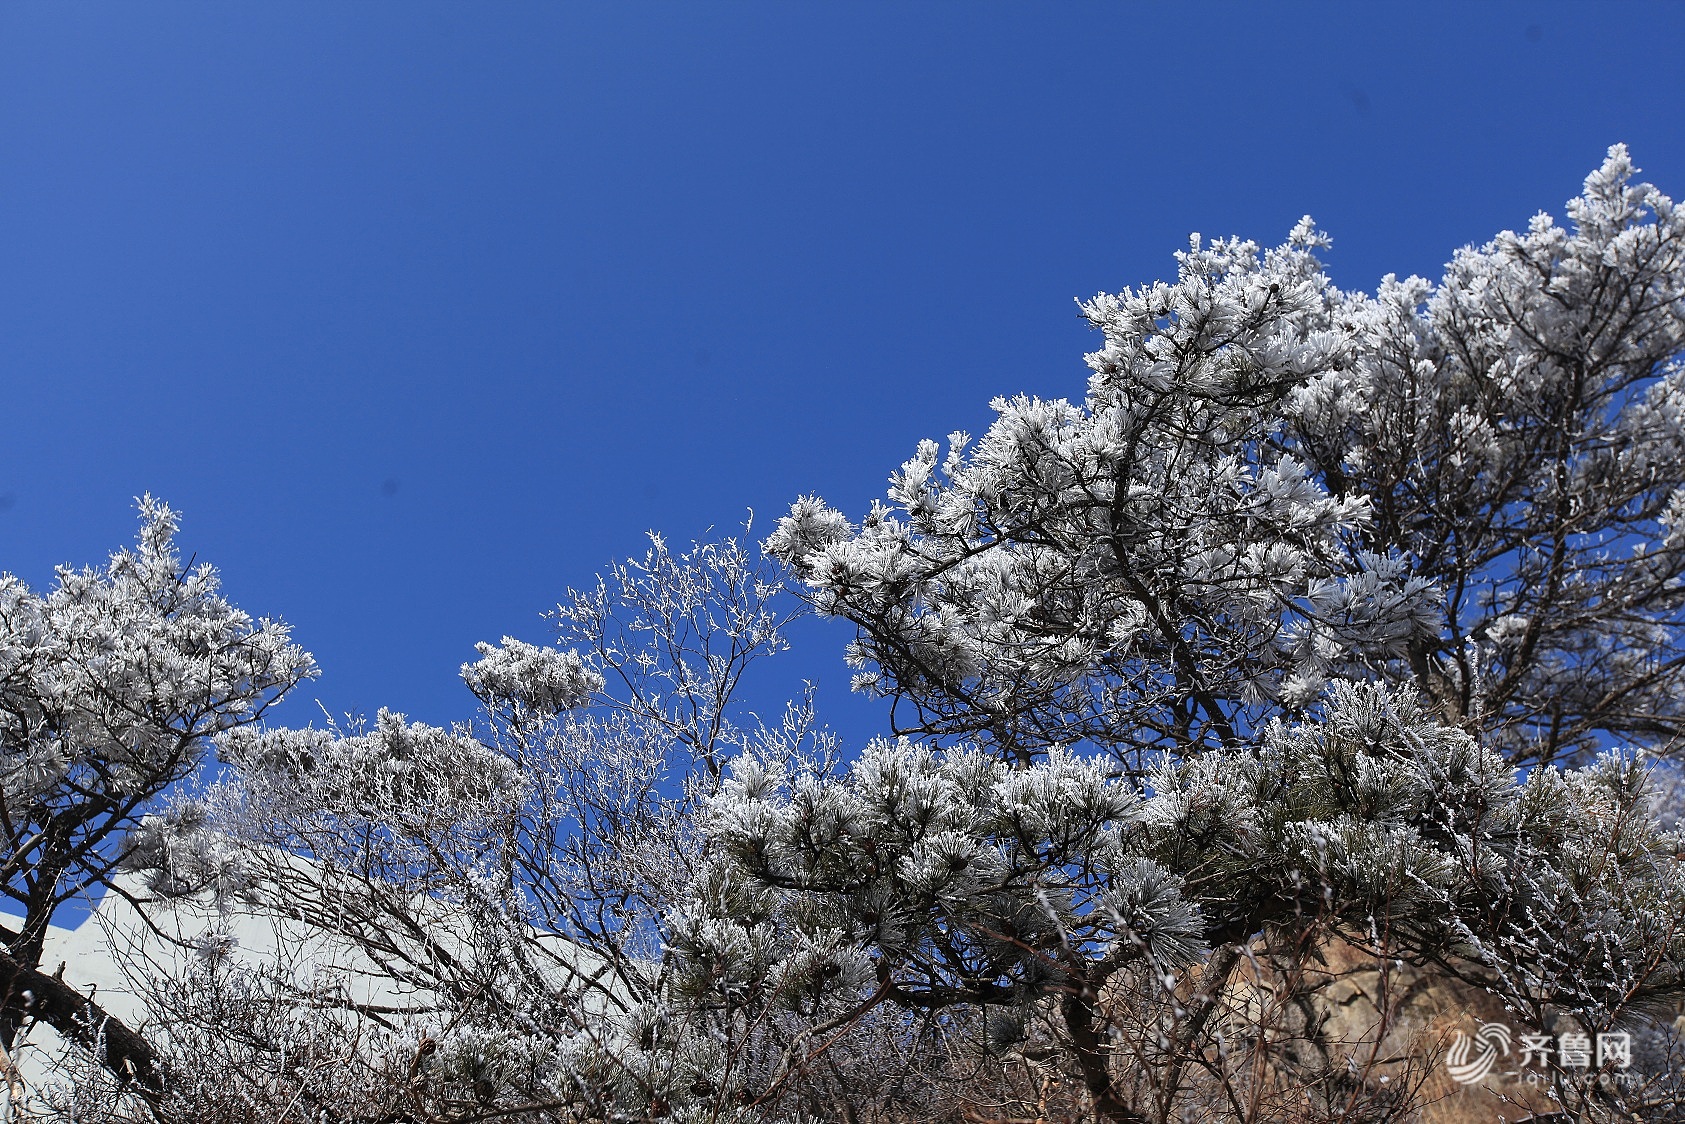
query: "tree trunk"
35, 995
1093, 1055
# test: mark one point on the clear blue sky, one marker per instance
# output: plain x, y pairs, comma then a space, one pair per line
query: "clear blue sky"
421, 312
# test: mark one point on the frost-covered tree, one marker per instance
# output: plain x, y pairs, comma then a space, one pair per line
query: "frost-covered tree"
498, 897
1517, 432
111, 686
933, 879
1474, 486
1308, 572
1324, 625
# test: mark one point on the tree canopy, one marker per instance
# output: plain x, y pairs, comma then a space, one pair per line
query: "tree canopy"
1326, 626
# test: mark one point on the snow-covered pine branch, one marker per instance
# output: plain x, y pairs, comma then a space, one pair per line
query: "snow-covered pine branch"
112, 684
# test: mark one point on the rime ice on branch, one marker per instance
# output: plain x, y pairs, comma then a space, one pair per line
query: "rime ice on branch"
1474, 486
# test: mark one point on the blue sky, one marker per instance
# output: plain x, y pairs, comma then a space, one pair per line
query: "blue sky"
422, 312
